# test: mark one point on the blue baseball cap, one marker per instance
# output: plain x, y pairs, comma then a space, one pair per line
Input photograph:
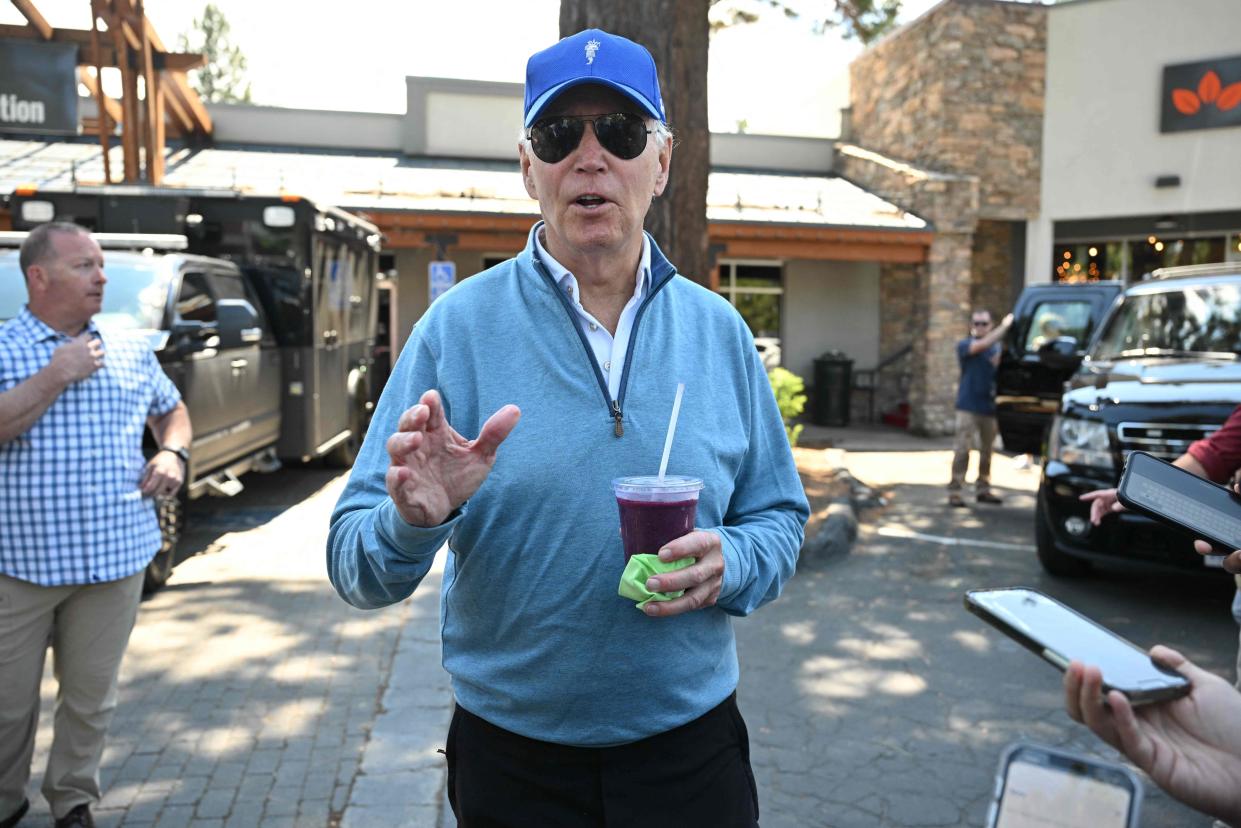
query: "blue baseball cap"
593, 56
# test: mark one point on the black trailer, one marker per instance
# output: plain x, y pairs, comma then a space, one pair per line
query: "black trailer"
313, 266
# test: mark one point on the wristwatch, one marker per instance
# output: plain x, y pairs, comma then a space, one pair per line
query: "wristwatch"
182, 452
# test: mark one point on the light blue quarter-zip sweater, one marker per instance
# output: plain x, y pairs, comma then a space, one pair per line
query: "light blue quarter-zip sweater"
535, 637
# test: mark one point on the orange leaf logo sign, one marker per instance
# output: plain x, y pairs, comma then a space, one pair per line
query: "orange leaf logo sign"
1208, 87
1230, 97
1186, 101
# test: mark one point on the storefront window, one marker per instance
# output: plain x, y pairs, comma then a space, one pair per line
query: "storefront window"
1089, 261
1232, 250
1133, 260
756, 290
1155, 252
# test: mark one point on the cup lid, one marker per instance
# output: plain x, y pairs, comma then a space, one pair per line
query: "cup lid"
648, 484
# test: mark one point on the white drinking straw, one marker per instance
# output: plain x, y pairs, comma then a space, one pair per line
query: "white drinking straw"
672, 427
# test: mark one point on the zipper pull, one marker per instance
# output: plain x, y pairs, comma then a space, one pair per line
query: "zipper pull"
619, 430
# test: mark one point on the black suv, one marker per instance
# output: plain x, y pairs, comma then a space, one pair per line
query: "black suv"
208, 330
1163, 370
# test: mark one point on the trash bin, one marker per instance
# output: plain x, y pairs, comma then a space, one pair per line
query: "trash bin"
833, 381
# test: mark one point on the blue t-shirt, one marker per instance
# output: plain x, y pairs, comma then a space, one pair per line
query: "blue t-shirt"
976, 393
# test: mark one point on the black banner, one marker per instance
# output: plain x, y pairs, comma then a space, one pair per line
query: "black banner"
1201, 95
38, 87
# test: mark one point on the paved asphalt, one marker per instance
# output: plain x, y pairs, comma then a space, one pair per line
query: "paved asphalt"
252, 696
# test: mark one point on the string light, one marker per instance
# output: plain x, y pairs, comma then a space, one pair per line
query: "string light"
1159, 246
1094, 251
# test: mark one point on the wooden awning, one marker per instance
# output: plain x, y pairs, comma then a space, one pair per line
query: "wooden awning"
130, 44
507, 234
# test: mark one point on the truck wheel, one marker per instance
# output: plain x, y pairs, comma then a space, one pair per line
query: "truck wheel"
343, 456
171, 515
1054, 561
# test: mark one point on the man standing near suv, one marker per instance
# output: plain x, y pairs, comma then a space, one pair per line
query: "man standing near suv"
77, 513
979, 356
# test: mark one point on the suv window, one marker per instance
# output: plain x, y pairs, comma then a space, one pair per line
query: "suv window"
1051, 320
1194, 318
195, 302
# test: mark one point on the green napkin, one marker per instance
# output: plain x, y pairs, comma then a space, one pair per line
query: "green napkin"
641, 567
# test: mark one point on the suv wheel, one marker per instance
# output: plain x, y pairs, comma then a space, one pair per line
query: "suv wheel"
1054, 561
171, 515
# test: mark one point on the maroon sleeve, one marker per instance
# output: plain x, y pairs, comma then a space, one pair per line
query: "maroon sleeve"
1220, 454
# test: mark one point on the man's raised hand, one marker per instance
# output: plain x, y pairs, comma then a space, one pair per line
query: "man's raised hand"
78, 358
432, 469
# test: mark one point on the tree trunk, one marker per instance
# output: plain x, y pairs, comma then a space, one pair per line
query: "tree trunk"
676, 33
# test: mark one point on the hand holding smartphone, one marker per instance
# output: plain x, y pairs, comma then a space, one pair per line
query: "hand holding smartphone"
1059, 635
1184, 501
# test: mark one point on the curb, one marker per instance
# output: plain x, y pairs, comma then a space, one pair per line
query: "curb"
840, 528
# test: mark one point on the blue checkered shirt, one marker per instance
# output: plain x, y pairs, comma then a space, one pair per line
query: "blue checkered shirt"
70, 508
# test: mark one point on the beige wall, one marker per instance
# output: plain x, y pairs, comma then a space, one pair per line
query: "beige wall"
413, 285
1101, 140
830, 306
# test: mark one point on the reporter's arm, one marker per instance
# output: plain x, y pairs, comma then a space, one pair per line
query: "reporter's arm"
1190, 747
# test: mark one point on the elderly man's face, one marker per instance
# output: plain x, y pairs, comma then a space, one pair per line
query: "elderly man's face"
593, 201
67, 283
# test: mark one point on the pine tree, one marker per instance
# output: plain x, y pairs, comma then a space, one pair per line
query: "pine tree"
222, 80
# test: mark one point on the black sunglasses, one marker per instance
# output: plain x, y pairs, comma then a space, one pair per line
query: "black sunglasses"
620, 133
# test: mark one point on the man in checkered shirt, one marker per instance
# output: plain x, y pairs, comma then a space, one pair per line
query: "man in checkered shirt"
77, 513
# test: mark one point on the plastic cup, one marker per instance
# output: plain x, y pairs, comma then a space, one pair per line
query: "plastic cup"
654, 511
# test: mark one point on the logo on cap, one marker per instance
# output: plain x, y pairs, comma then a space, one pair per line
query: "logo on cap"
591, 48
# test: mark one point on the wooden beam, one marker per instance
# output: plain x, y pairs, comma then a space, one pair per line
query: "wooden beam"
453, 222
178, 118
175, 61
179, 90
154, 117
110, 105
824, 251
722, 230
129, 97
34, 18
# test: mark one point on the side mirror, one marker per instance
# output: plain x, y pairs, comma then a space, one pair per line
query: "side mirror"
192, 335
239, 323
1065, 346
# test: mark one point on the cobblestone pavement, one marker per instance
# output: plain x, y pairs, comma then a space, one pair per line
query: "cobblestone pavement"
874, 699
253, 696
250, 691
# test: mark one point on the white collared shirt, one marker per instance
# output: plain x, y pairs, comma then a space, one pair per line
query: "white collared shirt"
609, 350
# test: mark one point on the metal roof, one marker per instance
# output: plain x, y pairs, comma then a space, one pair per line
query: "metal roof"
398, 182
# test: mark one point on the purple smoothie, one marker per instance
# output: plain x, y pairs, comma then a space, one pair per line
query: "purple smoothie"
654, 511
647, 526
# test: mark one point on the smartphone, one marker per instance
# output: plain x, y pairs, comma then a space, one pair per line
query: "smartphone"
1182, 500
1059, 635
1043, 787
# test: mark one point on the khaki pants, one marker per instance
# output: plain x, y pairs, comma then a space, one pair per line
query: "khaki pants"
88, 628
969, 424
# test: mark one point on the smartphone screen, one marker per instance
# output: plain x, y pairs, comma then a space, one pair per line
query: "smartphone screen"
1044, 788
1181, 499
1060, 635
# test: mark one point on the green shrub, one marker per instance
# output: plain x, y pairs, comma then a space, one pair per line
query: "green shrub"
790, 397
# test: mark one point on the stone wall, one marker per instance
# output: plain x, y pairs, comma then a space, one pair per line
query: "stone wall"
960, 90
938, 289
991, 284
898, 308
